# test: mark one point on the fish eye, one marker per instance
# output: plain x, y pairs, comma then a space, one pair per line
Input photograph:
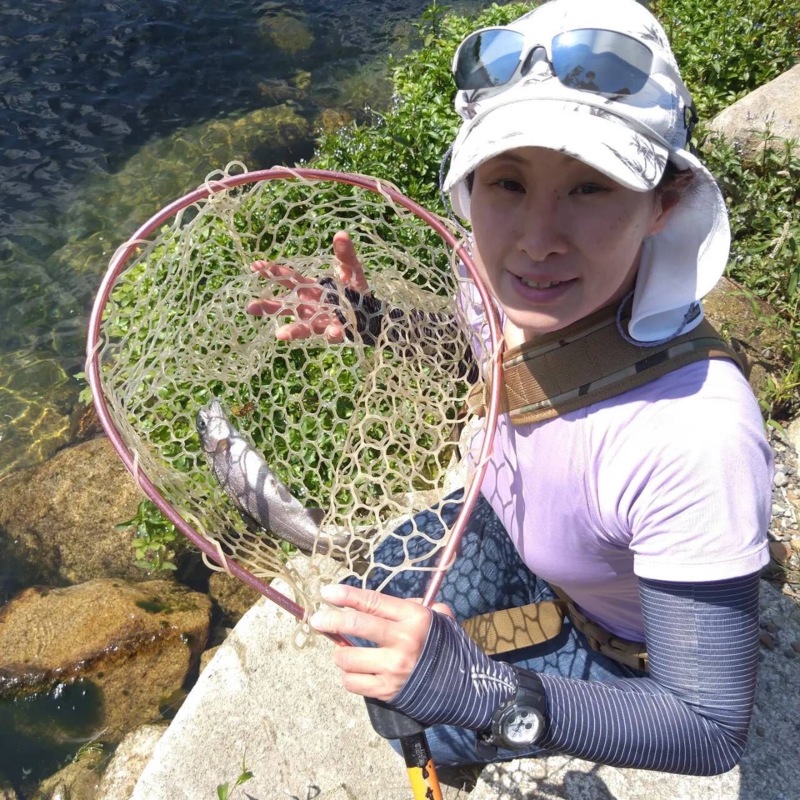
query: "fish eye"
201, 424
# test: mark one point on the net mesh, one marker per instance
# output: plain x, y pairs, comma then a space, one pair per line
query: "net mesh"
366, 431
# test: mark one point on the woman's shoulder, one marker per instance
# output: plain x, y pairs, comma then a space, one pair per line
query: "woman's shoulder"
712, 388
701, 407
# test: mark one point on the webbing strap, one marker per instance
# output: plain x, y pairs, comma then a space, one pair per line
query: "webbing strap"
623, 651
588, 362
515, 628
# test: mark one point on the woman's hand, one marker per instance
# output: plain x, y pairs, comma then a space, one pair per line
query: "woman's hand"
398, 626
313, 318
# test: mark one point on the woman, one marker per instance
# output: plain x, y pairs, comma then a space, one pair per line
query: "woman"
645, 505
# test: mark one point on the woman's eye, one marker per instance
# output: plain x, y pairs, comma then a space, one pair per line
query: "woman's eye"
510, 185
589, 188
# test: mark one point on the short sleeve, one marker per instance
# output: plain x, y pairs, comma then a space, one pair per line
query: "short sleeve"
698, 496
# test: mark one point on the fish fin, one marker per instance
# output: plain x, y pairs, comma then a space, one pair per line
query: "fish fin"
316, 514
251, 523
281, 490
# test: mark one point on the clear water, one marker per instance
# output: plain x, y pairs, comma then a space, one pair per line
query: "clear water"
84, 86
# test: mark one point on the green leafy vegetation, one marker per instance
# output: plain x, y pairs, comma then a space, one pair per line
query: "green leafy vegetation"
156, 542
731, 47
224, 789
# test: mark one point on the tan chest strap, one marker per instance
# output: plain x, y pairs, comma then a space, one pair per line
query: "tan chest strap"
588, 362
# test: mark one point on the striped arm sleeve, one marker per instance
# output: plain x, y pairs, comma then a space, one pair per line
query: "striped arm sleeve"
691, 714
454, 681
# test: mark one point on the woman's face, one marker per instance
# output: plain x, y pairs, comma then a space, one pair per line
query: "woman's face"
554, 238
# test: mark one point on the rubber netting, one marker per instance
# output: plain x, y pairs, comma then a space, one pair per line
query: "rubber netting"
365, 430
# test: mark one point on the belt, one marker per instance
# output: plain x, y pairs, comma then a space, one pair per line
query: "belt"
514, 628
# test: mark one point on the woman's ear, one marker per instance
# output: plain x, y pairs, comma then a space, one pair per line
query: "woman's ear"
665, 201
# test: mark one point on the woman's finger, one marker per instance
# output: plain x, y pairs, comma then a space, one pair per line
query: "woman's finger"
350, 269
262, 307
368, 686
355, 624
374, 603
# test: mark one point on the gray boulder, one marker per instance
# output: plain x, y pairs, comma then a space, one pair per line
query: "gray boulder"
282, 712
773, 107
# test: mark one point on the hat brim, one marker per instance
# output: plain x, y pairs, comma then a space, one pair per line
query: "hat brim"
585, 132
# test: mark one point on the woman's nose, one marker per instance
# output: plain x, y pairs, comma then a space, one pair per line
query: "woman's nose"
541, 231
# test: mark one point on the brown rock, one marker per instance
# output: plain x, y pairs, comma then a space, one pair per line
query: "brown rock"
233, 596
133, 643
744, 320
6, 790
57, 519
780, 551
78, 780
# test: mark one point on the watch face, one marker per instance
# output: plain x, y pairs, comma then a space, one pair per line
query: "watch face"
522, 725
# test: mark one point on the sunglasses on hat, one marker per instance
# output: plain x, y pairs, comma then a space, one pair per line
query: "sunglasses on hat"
587, 59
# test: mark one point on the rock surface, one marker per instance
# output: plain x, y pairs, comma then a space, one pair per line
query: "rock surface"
282, 712
743, 320
133, 753
57, 520
78, 780
133, 645
36, 396
773, 107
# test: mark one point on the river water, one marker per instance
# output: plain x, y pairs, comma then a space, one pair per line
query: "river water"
85, 85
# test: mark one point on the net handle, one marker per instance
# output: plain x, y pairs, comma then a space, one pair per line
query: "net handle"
211, 187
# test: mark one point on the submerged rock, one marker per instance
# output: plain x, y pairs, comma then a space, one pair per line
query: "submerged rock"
131, 646
233, 597
286, 31
57, 520
111, 207
36, 399
78, 780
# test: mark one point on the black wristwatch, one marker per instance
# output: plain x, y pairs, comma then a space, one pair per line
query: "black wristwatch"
522, 720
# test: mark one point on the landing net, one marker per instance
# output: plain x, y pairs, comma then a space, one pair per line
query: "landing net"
371, 431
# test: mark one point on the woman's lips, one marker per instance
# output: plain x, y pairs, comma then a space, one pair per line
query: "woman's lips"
541, 290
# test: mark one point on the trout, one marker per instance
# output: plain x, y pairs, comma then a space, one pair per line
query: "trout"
255, 489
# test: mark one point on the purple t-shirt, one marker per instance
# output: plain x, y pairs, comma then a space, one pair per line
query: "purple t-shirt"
669, 481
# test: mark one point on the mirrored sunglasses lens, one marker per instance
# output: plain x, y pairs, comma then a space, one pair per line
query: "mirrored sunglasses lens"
488, 58
601, 61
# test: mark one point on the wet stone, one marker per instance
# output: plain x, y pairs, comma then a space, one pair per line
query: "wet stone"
58, 519
104, 634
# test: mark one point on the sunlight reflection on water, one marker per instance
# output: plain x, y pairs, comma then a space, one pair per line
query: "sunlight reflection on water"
85, 86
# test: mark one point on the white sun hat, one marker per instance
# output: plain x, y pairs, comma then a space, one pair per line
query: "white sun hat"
627, 136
